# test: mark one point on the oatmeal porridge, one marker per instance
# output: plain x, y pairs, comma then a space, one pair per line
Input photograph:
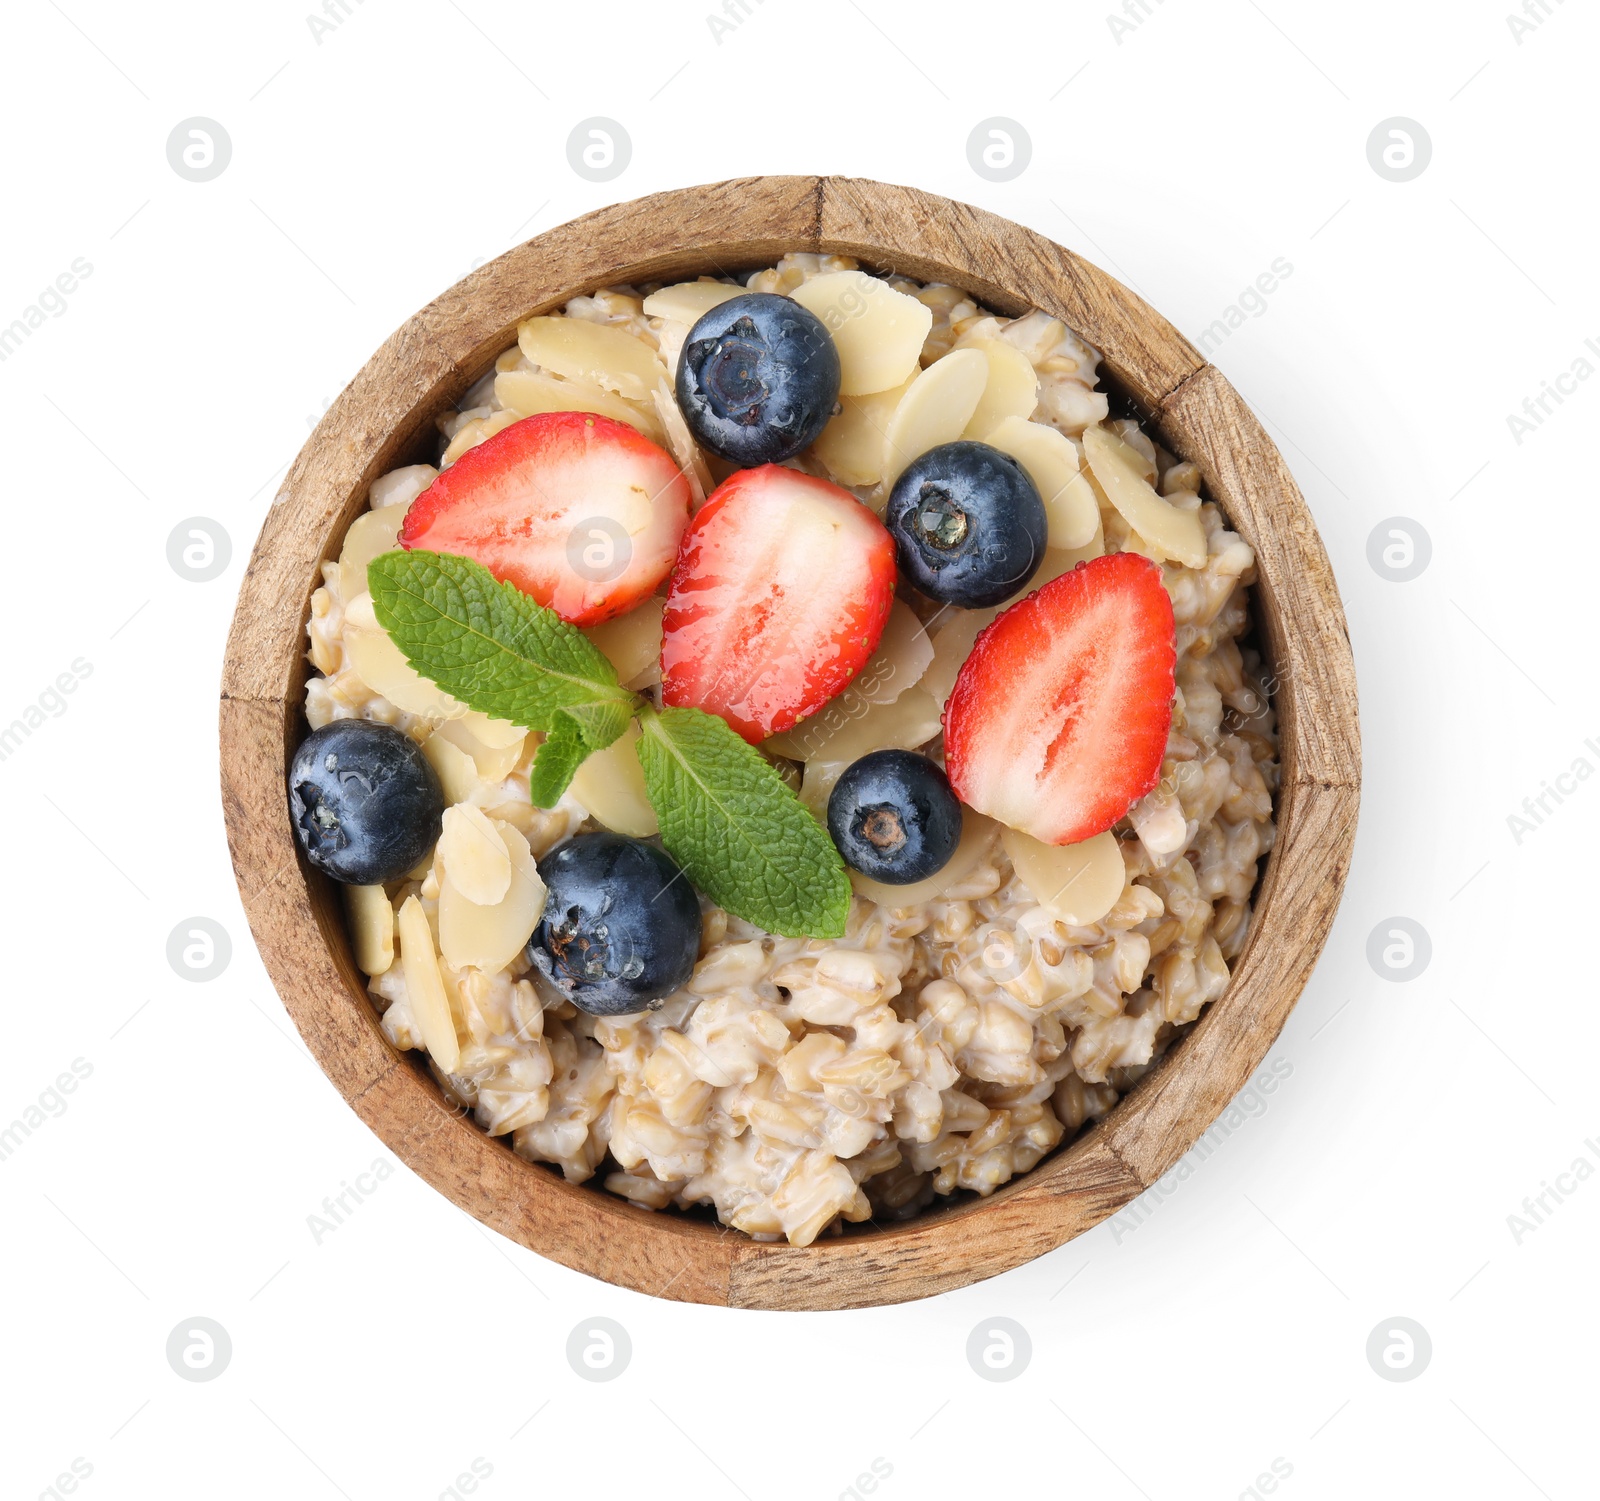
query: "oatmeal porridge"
874, 575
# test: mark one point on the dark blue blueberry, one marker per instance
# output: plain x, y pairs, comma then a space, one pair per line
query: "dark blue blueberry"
894, 818
365, 803
758, 379
621, 924
968, 524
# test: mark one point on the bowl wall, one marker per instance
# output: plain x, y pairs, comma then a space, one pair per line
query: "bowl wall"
385, 417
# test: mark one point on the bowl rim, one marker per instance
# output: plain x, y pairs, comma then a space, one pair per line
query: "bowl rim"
385, 414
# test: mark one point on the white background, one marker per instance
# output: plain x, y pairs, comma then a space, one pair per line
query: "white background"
373, 168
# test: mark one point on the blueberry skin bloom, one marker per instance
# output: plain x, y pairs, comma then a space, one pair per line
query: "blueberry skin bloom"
894, 818
365, 803
968, 524
757, 379
621, 924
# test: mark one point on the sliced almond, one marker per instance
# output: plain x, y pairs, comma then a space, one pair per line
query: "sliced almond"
688, 301
631, 642
1139, 443
382, 666
877, 330
494, 763
1035, 334
1078, 883
1070, 557
474, 855
684, 449
610, 785
458, 772
600, 353
903, 654
399, 487
490, 937
952, 645
476, 432
371, 928
1051, 459
1012, 389
497, 734
371, 535
1057, 560
430, 1006
1159, 821
852, 445
836, 734
936, 409
977, 839
530, 392
817, 786
1172, 533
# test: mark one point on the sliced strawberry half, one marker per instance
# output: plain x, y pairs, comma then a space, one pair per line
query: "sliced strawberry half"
1058, 720
781, 592
576, 510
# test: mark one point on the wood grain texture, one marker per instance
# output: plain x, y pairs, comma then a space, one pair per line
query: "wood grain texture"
384, 417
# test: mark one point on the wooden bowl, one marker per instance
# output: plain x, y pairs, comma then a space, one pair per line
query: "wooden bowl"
385, 418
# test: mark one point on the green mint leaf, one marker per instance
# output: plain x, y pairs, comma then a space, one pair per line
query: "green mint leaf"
600, 724
563, 752
491, 646
740, 834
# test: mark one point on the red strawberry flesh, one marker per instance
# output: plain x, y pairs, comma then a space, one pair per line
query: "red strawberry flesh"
779, 597
1058, 719
582, 513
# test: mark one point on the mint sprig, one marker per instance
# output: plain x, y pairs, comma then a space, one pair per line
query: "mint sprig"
726, 816
741, 835
491, 646
556, 762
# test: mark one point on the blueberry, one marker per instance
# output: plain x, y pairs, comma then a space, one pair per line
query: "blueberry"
621, 924
968, 524
758, 379
894, 818
365, 803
